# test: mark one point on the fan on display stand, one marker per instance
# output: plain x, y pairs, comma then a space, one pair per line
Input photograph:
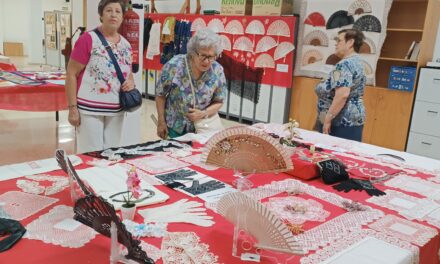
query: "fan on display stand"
197, 24
257, 231
225, 43
265, 43
315, 19
255, 27
316, 38
278, 28
234, 27
339, 19
216, 25
368, 23
359, 7
282, 50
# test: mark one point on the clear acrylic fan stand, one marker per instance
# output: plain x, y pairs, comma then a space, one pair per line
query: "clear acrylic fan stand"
116, 255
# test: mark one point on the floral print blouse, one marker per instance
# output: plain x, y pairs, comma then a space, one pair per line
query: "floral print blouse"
174, 84
349, 72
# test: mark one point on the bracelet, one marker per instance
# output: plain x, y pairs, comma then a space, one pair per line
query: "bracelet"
72, 106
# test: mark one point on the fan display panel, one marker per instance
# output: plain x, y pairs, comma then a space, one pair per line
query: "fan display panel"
244, 39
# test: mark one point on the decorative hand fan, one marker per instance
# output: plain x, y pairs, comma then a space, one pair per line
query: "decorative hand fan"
266, 43
234, 27
255, 27
315, 19
368, 23
216, 25
278, 28
257, 220
197, 24
368, 47
225, 42
98, 214
359, 7
316, 38
367, 68
311, 56
264, 61
332, 59
339, 19
243, 43
246, 150
283, 49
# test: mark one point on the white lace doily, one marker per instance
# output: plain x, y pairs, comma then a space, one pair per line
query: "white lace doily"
297, 210
20, 205
58, 227
158, 164
152, 251
32, 184
195, 160
186, 248
416, 185
403, 229
339, 246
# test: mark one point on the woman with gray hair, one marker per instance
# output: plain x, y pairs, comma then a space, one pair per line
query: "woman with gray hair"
177, 108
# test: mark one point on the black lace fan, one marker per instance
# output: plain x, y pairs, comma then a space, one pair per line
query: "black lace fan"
98, 214
339, 19
368, 23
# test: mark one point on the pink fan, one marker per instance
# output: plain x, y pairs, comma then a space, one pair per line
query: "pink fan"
243, 43
255, 27
225, 42
278, 28
283, 49
216, 25
315, 19
266, 43
311, 56
197, 24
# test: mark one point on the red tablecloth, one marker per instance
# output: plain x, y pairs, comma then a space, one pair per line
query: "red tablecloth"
39, 98
219, 236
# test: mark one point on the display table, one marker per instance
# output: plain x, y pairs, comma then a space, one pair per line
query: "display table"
334, 229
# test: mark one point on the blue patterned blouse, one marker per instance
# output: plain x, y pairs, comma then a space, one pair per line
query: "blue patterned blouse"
349, 72
174, 84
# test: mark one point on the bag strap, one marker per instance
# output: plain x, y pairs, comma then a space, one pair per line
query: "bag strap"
112, 56
191, 83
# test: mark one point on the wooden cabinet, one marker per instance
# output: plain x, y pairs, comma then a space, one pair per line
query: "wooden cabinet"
388, 111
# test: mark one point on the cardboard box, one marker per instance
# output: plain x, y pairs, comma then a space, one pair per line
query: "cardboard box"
12, 49
272, 7
236, 7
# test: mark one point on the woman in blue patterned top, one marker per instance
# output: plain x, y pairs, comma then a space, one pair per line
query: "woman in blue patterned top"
174, 98
341, 110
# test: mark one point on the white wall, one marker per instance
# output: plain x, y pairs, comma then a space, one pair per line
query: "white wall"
437, 45
2, 8
15, 19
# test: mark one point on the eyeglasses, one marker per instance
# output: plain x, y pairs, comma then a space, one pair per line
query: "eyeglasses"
204, 57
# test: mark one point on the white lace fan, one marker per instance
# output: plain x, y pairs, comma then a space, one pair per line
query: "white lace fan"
368, 46
225, 42
311, 56
257, 220
278, 28
234, 27
264, 61
316, 38
197, 24
246, 150
216, 25
265, 43
243, 43
367, 68
283, 49
255, 27
359, 7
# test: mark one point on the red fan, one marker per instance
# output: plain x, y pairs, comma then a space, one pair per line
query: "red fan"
315, 19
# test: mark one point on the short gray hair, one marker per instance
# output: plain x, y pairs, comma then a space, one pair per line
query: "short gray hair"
204, 38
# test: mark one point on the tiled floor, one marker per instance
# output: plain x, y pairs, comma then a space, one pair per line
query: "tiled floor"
26, 136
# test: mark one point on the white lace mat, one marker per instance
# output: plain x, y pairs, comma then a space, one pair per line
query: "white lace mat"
148, 178
20, 205
32, 184
304, 209
186, 248
195, 160
416, 185
367, 245
152, 251
403, 229
58, 227
158, 164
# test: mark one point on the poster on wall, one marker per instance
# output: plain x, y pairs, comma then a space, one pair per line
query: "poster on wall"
321, 22
65, 28
260, 43
50, 29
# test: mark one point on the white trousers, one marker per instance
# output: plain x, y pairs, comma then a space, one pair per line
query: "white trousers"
99, 132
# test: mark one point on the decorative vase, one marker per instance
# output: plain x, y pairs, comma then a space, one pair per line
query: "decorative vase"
128, 211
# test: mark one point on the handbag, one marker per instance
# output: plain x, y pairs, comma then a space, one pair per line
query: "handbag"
129, 100
204, 125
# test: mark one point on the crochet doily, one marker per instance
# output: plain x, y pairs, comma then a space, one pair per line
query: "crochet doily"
20, 205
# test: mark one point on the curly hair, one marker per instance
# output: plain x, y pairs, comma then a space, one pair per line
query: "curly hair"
204, 38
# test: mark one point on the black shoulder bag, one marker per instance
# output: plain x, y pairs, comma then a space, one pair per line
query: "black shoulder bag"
130, 100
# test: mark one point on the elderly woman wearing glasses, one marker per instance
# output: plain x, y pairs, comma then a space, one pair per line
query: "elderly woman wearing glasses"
177, 108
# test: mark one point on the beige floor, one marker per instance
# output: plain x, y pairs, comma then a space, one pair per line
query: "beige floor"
26, 136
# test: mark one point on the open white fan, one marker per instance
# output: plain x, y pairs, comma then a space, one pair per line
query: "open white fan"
368, 46
255, 27
283, 49
367, 68
311, 56
246, 150
234, 27
225, 43
316, 38
264, 61
197, 24
278, 28
265, 43
359, 7
216, 25
243, 43
257, 220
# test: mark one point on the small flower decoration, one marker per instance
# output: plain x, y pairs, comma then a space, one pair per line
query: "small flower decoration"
133, 186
